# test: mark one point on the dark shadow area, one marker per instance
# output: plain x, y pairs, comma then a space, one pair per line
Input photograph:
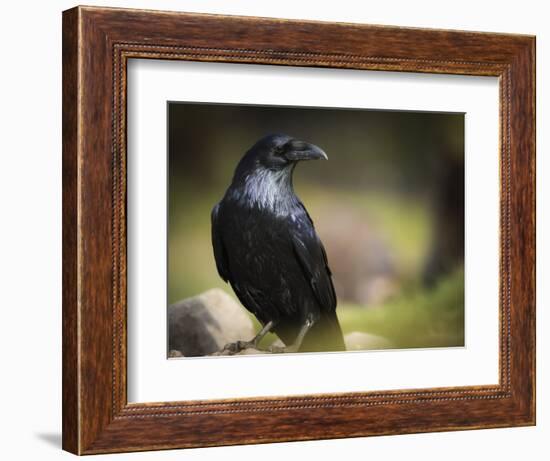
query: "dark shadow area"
51, 438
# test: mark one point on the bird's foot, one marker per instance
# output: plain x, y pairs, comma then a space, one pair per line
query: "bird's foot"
236, 347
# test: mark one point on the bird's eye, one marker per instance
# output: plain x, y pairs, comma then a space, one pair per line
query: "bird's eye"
279, 150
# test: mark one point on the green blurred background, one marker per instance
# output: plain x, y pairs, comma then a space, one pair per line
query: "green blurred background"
388, 206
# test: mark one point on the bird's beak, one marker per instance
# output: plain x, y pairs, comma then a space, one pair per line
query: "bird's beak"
300, 150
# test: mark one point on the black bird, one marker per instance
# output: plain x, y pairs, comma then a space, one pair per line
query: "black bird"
266, 247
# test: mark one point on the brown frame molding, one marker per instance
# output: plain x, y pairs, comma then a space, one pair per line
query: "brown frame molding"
97, 43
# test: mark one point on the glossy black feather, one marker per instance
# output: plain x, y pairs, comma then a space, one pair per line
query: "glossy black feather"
266, 247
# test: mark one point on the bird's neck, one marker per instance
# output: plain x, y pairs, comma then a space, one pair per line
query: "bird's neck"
267, 189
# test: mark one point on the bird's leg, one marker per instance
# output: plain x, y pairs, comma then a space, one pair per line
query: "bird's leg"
264, 331
238, 346
295, 346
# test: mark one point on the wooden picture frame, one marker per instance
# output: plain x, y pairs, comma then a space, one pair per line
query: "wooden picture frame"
97, 43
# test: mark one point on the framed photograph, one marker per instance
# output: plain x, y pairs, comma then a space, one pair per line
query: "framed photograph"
282, 230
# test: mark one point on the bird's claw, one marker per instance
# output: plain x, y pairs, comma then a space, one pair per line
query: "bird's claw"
236, 347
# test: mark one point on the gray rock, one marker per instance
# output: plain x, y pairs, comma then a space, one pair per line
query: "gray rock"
359, 341
251, 350
248, 351
174, 353
205, 323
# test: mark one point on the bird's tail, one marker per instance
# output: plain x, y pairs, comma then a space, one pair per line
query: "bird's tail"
324, 336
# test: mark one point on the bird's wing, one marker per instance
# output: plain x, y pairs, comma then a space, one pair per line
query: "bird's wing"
220, 254
312, 257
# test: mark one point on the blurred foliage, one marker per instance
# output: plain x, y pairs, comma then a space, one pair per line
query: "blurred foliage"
388, 206
418, 317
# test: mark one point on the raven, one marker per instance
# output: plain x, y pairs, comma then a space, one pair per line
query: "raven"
266, 247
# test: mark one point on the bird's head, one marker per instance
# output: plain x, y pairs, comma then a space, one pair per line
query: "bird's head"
280, 152
263, 177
